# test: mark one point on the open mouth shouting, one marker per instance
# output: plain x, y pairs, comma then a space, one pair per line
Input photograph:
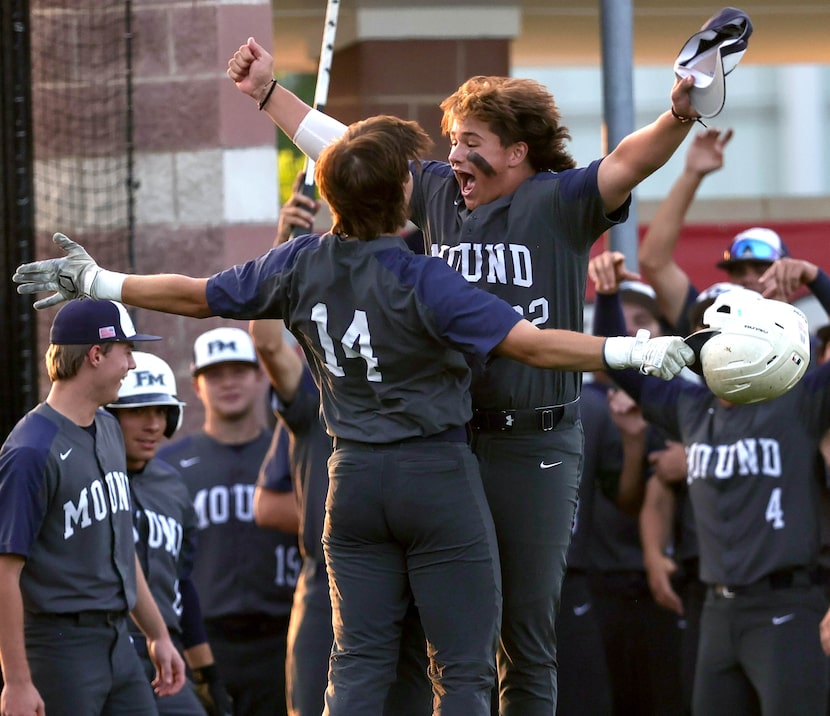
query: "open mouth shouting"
466, 183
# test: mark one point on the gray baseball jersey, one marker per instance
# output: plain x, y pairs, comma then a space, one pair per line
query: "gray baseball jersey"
165, 532
754, 473
65, 507
357, 341
531, 249
240, 568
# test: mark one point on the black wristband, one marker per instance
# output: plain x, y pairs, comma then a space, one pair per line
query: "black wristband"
268, 94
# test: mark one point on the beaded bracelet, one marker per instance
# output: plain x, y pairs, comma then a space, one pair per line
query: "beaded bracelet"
270, 91
683, 120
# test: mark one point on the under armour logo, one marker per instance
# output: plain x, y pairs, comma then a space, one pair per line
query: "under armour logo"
508, 421
66, 282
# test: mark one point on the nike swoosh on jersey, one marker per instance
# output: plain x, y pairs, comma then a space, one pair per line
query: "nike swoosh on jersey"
189, 461
581, 609
783, 620
65, 455
546, 465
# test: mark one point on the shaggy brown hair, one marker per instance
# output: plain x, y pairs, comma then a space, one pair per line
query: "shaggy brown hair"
515, 110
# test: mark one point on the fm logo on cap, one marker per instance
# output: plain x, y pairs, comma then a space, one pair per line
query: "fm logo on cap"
146, 378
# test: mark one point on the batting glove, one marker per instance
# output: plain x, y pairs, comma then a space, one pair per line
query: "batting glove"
70, 277
662, 357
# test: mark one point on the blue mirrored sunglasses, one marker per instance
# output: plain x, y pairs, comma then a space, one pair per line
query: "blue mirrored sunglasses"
751, 250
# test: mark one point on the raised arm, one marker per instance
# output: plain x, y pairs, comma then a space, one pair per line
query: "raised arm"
656, 251
251, 68
279, 359
643, 152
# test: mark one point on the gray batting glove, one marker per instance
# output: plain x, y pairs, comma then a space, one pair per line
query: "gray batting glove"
662, 357
72, 276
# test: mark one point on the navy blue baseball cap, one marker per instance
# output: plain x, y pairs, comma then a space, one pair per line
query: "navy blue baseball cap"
711, 54
86, 321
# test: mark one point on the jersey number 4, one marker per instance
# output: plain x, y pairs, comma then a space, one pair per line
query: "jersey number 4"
775, 514
356, 342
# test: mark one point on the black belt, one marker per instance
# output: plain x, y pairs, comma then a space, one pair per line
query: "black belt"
784, 579
242, 626
457, 434
91, 618
528, 420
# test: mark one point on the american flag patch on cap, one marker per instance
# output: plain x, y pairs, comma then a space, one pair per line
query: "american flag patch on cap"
106, 332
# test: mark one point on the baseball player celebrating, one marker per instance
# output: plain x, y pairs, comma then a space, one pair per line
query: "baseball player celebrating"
244, 575
754, 481
68, 572
148, 411
299, 454
382, 329
512, 214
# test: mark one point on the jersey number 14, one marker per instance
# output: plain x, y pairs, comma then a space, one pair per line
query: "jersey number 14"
356, 342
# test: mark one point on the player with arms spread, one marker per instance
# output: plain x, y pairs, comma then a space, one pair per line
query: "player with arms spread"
383, 330
512, 214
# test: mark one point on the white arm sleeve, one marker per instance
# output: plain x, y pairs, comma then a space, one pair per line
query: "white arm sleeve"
315, 132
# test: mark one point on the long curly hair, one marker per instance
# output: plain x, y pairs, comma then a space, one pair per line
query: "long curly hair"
515, 110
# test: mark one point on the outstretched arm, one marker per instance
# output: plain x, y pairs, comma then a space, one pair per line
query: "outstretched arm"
663, 357
77, 274
656, 251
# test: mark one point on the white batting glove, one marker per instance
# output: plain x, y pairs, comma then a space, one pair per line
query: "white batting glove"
662, 357
70, 277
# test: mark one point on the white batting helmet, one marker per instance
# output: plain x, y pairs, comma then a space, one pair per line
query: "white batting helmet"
755, 348
151, 382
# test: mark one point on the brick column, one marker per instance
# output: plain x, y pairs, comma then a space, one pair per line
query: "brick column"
205, 158
398, 61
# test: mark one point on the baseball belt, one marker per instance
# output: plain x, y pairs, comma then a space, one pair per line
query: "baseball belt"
542, 419
783, 579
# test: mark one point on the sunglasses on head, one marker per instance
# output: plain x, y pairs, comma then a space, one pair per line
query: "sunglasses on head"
751, 250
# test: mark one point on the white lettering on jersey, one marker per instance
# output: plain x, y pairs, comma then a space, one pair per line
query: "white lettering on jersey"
750, 456
288, 565
469, 260
164, 533
214, 506
108, 497
356, 342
